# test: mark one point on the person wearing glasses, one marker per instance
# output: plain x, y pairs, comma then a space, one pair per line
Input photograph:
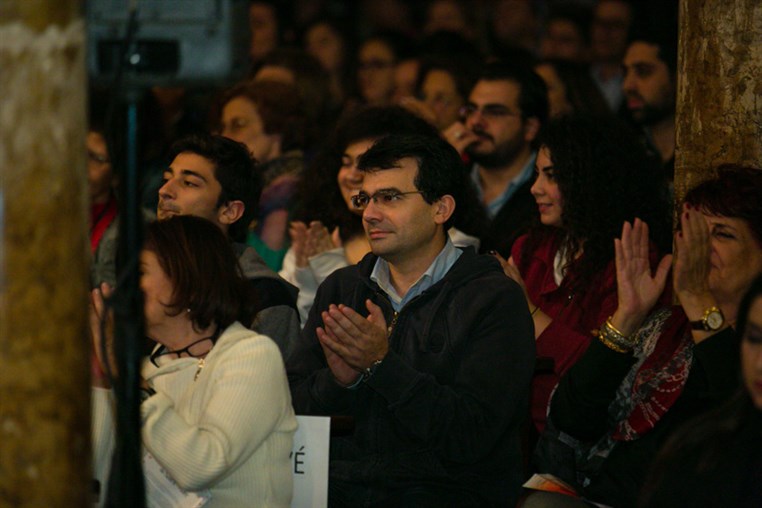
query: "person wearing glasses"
216, 415
103, 204
327, 232
499, 122
426, 346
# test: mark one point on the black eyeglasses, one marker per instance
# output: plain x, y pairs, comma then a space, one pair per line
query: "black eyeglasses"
489, 112
195, 350
384, 198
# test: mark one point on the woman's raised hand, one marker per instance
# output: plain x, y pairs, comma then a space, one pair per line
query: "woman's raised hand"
298, 232
692, 248
637, 289
319, 239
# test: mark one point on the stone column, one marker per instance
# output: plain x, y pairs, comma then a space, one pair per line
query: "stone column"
719, 111
44, 352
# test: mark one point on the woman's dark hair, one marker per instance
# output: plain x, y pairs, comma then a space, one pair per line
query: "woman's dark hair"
605, 177
205, 274
735, 192
711, 434
583, 94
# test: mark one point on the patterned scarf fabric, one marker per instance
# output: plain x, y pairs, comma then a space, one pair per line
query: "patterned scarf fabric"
653, 384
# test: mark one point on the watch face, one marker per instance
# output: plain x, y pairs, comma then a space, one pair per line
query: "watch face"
714, 320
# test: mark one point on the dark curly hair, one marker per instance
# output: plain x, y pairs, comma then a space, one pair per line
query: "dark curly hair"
606, 177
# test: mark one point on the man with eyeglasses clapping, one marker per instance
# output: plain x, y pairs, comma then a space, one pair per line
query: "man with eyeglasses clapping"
427, 347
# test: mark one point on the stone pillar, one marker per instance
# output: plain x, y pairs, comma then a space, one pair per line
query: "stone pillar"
719, 113
44, 352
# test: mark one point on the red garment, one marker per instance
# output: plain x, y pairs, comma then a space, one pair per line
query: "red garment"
575, 317
661, 376
101, 217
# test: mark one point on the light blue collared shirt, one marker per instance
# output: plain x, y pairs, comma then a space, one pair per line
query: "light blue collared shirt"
493, 207
436, 271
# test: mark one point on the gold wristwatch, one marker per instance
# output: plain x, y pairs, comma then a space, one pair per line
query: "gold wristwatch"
711, 321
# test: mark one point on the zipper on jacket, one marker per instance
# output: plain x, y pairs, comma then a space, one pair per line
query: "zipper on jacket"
390, 328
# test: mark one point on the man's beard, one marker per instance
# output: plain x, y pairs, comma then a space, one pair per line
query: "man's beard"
503, 155
651, 114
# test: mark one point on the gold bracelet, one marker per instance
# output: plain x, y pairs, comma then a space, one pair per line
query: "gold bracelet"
606, 342
614, 329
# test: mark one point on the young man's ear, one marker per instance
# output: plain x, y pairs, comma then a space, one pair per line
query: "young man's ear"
445, 207
230, 212
531, 128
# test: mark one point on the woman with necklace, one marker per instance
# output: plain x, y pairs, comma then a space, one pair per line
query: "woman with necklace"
217, 415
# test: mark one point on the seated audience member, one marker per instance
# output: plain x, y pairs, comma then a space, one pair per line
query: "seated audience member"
104, 200
612, 23
503, 114
571, 89
651, 96
442, 90
650, 370
103, 207
329, 234
455, 16
217, 414
717, 460
567, 33
592, 175
377, 59
298, 68
268, 118
513, 25
268, 24
426, 346
329, 41
215, 178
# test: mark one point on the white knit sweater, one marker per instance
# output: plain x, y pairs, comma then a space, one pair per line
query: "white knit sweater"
230, 431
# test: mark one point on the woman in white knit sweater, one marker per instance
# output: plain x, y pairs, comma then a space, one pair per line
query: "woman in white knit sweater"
217, 419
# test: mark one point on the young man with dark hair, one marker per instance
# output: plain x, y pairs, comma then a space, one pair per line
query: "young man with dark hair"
429, 348
500, 120
215, 178
650, 89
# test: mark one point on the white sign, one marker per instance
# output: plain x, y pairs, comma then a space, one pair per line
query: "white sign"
309, 459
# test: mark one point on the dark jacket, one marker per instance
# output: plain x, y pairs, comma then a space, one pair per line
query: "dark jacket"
580, 408
273, 304
445, 406
512, 221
